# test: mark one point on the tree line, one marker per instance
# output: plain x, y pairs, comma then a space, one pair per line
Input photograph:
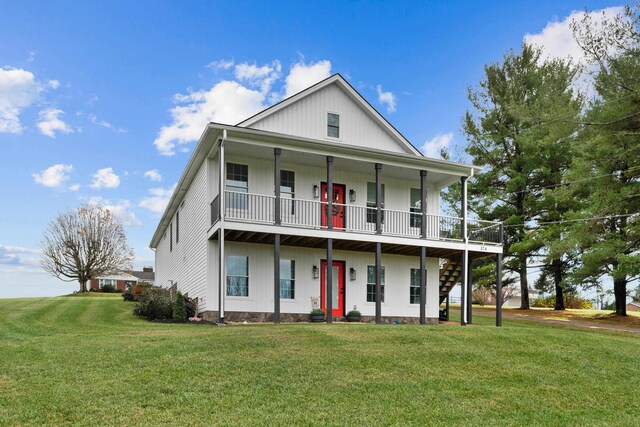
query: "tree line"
561, 165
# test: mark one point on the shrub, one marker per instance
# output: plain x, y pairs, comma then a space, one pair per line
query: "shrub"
571, 300
317, 312
154, 304
353, 313
108, 289
127, 295
179, 308
140, 288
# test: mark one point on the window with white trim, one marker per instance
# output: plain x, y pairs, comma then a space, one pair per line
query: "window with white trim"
371, 203
287, 279
107, 282
237, 276
333, 125
237, 183
371, 283
287, 191
414, 286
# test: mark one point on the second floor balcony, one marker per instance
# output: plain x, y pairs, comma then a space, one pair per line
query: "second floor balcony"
317, 214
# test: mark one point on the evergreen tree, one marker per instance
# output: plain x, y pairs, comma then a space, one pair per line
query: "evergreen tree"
514, 135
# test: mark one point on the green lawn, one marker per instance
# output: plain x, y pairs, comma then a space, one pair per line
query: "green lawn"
88, 361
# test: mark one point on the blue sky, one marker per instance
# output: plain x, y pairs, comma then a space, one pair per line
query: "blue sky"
102, 101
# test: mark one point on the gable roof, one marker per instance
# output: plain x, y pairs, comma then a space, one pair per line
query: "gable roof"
355, 96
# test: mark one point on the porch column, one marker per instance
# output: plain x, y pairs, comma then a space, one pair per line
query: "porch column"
499, 282
423, 204
447, 306
222, 279
276, 278
329, 274
423, 250
464, 289
276, 182
469, 289
423, 285
378, 167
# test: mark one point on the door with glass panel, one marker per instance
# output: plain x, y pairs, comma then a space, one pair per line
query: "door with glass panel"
337, 287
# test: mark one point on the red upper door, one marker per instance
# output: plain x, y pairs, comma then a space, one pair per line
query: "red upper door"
338, 211
337, 288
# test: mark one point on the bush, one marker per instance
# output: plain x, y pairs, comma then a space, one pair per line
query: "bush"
154, 304
139, 289
354, 313
571, 300
317, 312
108, 289
179, 308
127, 295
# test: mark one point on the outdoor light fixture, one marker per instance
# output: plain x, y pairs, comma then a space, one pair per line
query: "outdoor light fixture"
315, 271
352, 195
316, 191
352, 273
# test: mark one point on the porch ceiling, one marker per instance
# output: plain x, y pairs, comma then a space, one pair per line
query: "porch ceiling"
311, 159
343, 245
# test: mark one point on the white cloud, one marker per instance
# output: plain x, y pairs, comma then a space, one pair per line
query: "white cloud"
556, 41
18, 90
105, 178
120, 209
15, 256
54, 176
158, 200
220, 64
53, 84
49, 122
153, 175
301, 76
387, 98
263, 77
432, 147
103, 123
74, 187
227, 102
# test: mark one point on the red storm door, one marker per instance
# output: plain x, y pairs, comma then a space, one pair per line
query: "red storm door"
337, 288
339, 191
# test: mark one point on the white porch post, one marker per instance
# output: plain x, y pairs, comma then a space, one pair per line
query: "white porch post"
222, 261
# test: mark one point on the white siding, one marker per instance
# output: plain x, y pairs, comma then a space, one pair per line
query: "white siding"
308, 118
186, 264
397, 191
397, 272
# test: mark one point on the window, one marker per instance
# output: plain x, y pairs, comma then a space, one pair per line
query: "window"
414, 286
237, 182
170, 237
287, 279
333, 125
238, 276
287, 191
107, 282
371, 283
371, 202
177, 226
415, 208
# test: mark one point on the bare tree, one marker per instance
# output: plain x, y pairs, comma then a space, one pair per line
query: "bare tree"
85, 243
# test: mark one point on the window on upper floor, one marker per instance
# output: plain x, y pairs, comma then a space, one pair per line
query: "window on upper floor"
170, 237
177, 226
287, 191
415, 208
371, 283
333, 125
237, 183
371, 203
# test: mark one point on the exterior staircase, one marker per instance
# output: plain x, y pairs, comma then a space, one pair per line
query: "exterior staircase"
450, 275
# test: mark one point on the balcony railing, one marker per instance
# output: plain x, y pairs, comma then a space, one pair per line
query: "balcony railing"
312, 214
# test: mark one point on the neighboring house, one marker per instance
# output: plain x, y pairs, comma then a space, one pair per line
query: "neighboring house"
319, 179
516, 299
633, 306
121, 280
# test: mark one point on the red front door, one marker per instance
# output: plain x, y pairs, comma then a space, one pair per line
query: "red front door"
337, 288
339, 191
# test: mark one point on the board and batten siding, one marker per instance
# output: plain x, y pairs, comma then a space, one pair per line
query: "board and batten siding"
186, 264
397, 191
307, 118
397, 281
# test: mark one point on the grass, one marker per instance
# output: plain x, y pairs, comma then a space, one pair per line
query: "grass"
88, 361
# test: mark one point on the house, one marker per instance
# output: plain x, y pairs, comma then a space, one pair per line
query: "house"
633, 306
318, 189
121, 280
516, 299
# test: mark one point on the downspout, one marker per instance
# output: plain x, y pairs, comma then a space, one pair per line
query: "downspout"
221, 257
